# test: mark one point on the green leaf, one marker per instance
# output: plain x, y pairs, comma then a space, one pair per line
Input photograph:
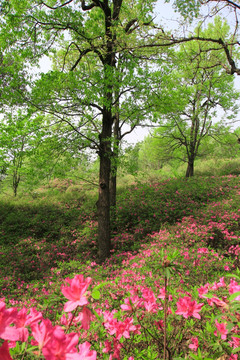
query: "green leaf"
233, 296
235, 351
96, 294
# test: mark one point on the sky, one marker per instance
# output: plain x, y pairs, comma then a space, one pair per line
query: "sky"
168, 18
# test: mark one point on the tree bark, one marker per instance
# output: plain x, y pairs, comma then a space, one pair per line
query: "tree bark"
113, 190
190, 169
104, 237
105, 140
114, 164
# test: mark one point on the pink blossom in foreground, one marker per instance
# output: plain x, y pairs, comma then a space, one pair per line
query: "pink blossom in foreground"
42, 332
24, 319
61, 346
194, 344
85, 317
233, 357
222, 329
186, 307
4, 352
85, 352
76, 292
7, 317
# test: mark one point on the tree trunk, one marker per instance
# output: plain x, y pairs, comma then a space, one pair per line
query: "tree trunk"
104, 236
190, 169
114, 163
113, 190
113, 185
105, 150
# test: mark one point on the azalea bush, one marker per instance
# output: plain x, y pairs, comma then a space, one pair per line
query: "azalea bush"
148, 324
169, 293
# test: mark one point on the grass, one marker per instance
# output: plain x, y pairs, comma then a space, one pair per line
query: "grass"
175, 242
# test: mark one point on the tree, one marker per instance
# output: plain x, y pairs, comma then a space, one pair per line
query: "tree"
197, 90
18, 138
86, 97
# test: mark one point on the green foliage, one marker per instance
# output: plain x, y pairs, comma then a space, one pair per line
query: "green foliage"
217, 155
188, 9
197, 86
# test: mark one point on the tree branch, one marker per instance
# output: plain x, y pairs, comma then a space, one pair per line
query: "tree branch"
88, 7
56, 7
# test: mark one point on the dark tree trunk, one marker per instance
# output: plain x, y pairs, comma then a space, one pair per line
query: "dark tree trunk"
104, 238
113, 190
114, 164
105, 148
16, 180
190, 169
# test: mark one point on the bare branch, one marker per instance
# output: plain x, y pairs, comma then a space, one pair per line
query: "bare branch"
129, 24
82, 53
88, 7
56, 7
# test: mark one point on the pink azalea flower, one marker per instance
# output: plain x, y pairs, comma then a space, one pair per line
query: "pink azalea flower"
194, 344
162, 293
42, 332
221, 327
218, 302
85, 352
75, 292
61, 346
117, 348
221, 282
7, 317
214, 286
233, 357
202, 251
65, 320
235, 343
203, 290
85, 317
131, 302
4, 352
186, 307
121, 328
149, 300
24, 319
159, 324
108, 347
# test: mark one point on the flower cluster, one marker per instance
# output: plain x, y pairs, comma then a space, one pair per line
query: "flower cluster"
50, 341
